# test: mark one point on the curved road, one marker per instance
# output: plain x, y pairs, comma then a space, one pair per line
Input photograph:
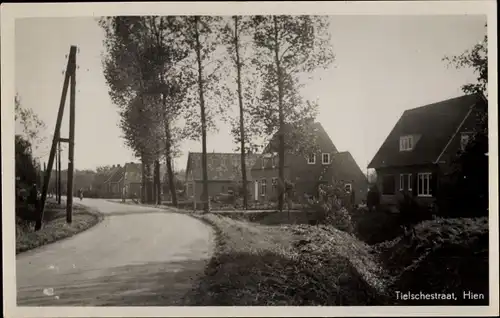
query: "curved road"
137, 256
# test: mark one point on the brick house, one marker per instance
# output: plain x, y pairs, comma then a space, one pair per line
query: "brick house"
127, 180
132, 177
420, 148
323, 166
113, 185
224, 174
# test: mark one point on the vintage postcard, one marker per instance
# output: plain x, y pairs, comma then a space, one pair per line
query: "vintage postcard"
250, 159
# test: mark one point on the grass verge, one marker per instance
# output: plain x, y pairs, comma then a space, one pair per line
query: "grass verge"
287, 265
55, 227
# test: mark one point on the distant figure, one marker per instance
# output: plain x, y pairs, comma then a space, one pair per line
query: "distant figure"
80, 194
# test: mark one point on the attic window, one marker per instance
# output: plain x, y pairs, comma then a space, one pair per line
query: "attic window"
406, 143
465, 138
325, 158
311, 159
348, 187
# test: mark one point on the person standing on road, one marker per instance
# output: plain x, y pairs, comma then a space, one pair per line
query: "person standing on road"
80, 194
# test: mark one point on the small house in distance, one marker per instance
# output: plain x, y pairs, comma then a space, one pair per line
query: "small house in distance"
420, 148
125, 180
307, 172
224, 174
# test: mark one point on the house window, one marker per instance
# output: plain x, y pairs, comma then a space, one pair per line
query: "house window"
410, 187
464, 140
424, 184
263, 162
325, 158
406, 143
190, 190
348, 187
275, 185
263, 187
388, 184
401, 182
311, 159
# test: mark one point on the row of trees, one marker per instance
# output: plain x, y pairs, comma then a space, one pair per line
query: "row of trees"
172, 77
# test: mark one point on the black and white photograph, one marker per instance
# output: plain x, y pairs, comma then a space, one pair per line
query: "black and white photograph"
241, 158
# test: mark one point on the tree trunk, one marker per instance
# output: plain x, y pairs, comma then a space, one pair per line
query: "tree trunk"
149, 184
281, 148
143, 180
158, 182
168, 156
203, 119
154, 195
242, 127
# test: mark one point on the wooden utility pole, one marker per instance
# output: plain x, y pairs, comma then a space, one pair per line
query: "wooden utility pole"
71, 152
59, 192
69, 74
44, 171
56, 179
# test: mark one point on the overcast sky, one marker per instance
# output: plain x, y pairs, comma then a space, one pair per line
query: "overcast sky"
384, 65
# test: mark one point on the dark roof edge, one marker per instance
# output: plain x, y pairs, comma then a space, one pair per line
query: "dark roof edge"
455, 133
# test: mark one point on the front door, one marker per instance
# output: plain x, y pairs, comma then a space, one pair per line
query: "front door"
256, 190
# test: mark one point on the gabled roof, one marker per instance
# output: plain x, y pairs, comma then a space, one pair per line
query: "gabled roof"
116, 175
432, 126
133, 173
221, 166
313, 134
343, 166
310, 133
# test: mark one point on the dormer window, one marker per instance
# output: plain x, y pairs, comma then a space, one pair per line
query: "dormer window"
464, 140
325, 158
311, 159
406, 143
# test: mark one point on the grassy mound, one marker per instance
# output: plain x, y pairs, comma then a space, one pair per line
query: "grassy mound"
443, 256
374, 227
55, 227
288, 265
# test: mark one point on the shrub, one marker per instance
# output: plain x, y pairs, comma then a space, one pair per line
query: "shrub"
444, 255
411, 211
332, 207
373, 198
377, 226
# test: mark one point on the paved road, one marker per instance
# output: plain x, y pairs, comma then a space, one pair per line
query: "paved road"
136, 256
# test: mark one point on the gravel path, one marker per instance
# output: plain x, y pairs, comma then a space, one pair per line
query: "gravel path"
136, 256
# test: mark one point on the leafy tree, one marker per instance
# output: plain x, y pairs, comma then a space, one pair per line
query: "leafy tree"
236, 35
477, 59
26, 167
467, 190
201, 34
32, 125
287, 46
129, 75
